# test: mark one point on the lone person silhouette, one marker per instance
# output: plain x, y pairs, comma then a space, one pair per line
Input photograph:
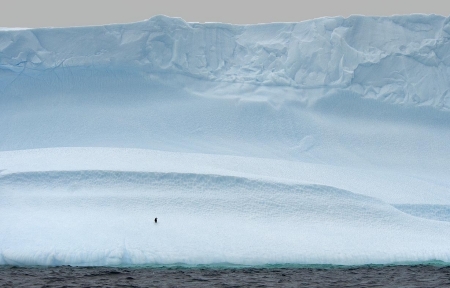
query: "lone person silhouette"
156, 220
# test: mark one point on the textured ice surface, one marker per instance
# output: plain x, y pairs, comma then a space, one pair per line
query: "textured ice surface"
324, 141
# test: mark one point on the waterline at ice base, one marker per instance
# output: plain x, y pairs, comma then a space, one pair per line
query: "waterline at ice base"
319, 142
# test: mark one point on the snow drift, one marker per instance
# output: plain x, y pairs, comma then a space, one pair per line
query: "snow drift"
324, 141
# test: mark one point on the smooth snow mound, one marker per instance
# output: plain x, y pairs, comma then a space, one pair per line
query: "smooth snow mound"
203, 219
104, 215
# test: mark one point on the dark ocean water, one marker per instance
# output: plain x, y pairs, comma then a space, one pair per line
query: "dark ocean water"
423, 275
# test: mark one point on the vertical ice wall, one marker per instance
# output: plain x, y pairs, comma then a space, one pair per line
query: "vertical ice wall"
402, 58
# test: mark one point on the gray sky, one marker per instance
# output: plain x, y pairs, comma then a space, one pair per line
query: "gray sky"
62, 13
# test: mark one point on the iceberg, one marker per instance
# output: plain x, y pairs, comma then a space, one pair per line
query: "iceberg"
319, 142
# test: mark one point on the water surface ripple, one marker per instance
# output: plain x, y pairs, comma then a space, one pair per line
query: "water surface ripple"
362, 276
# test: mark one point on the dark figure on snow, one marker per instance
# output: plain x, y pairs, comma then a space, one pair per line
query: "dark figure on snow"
156, 220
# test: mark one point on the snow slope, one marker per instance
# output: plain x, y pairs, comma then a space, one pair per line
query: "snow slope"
324, 141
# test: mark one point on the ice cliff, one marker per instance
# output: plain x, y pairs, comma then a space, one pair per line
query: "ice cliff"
400, 59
